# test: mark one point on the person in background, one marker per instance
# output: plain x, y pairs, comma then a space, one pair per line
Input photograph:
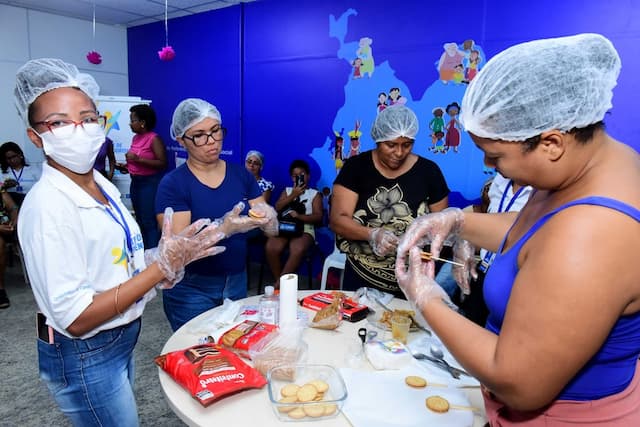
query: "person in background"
299, 204
8, 221
378, 194
146, 162
562, 339
84, 254
206, 186
254, 162
106, 153
17, 175
505, 195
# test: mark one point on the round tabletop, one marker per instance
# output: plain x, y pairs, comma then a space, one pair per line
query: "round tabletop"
252, 407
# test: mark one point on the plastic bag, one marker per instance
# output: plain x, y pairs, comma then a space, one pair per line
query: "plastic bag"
215, 320
284, 348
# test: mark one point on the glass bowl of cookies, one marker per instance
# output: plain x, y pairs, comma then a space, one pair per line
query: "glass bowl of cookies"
306, 392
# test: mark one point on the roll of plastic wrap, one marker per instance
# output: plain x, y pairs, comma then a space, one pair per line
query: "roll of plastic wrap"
288, 300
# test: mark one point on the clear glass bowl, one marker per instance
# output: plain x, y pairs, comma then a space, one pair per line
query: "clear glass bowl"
296, 409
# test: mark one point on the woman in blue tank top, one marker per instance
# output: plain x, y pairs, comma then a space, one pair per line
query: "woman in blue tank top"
562, 340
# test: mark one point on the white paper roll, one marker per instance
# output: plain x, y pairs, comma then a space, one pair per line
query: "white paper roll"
288, 300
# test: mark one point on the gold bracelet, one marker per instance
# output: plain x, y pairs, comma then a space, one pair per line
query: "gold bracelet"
115, 303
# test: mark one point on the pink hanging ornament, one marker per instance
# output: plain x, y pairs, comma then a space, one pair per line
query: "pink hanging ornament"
167, 53
94, 57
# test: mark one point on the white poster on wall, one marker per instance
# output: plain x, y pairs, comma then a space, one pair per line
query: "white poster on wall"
116, 109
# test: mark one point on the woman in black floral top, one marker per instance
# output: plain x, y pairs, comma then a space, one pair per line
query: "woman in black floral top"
377, 195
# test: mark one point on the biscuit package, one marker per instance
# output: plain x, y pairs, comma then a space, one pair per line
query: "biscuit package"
244, 335
210, 372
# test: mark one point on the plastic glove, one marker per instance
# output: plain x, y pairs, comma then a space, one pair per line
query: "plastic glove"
383, 242
415, 282
151, 256
272, 225
464, 253
196, 241
232, 223
434, 229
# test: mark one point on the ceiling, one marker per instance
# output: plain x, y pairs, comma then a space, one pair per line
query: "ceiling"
125, 13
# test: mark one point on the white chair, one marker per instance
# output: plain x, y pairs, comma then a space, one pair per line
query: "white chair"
337, 259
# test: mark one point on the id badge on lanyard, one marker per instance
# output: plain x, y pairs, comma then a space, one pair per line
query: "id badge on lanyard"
488, 257
122, 222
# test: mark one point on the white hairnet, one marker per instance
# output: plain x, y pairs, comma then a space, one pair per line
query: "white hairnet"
533, 87
190, 112
255, 153
394, 122
42, 75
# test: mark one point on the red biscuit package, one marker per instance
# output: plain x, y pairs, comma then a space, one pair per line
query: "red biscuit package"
210, 372
244, 335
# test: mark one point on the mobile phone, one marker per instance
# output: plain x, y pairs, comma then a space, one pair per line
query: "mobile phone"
300, 180
45, 332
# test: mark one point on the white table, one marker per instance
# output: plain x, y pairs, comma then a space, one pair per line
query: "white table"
252, 407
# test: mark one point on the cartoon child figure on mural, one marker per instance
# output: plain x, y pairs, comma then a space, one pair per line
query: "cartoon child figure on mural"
354, 138
437, 142
357, 65
337, 151
472, 68
365, 54
382, 101
437, 122
452, 140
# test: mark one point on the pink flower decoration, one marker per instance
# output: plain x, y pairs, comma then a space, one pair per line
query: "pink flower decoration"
167, 53
94, 57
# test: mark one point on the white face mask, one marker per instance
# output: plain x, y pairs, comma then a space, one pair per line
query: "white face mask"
74, 147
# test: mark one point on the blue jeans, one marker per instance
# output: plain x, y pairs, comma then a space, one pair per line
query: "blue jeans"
143, 199
197, 293
91, 379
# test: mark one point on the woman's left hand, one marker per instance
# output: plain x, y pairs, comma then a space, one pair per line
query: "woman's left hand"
415, 280
464, 253
270, 228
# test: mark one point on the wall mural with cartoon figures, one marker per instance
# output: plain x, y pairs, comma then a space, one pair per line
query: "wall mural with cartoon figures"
441, 137
328, 70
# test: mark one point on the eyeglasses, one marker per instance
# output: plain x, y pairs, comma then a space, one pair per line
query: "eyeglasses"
253, 163
201, 139
62, 127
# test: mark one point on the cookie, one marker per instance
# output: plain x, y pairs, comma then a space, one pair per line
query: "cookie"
297, 413
314, 411
307, 393
287, 408
320, 385
330, 409
415, 381
437, 404
256, 214
289, 390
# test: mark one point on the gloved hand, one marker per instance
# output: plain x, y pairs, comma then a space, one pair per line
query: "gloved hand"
232, 223
151, 256
383, 242
175, 251
270, 228
415, 281
464, 253
435, 229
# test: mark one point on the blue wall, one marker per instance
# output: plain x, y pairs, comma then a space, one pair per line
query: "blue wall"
280, 70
